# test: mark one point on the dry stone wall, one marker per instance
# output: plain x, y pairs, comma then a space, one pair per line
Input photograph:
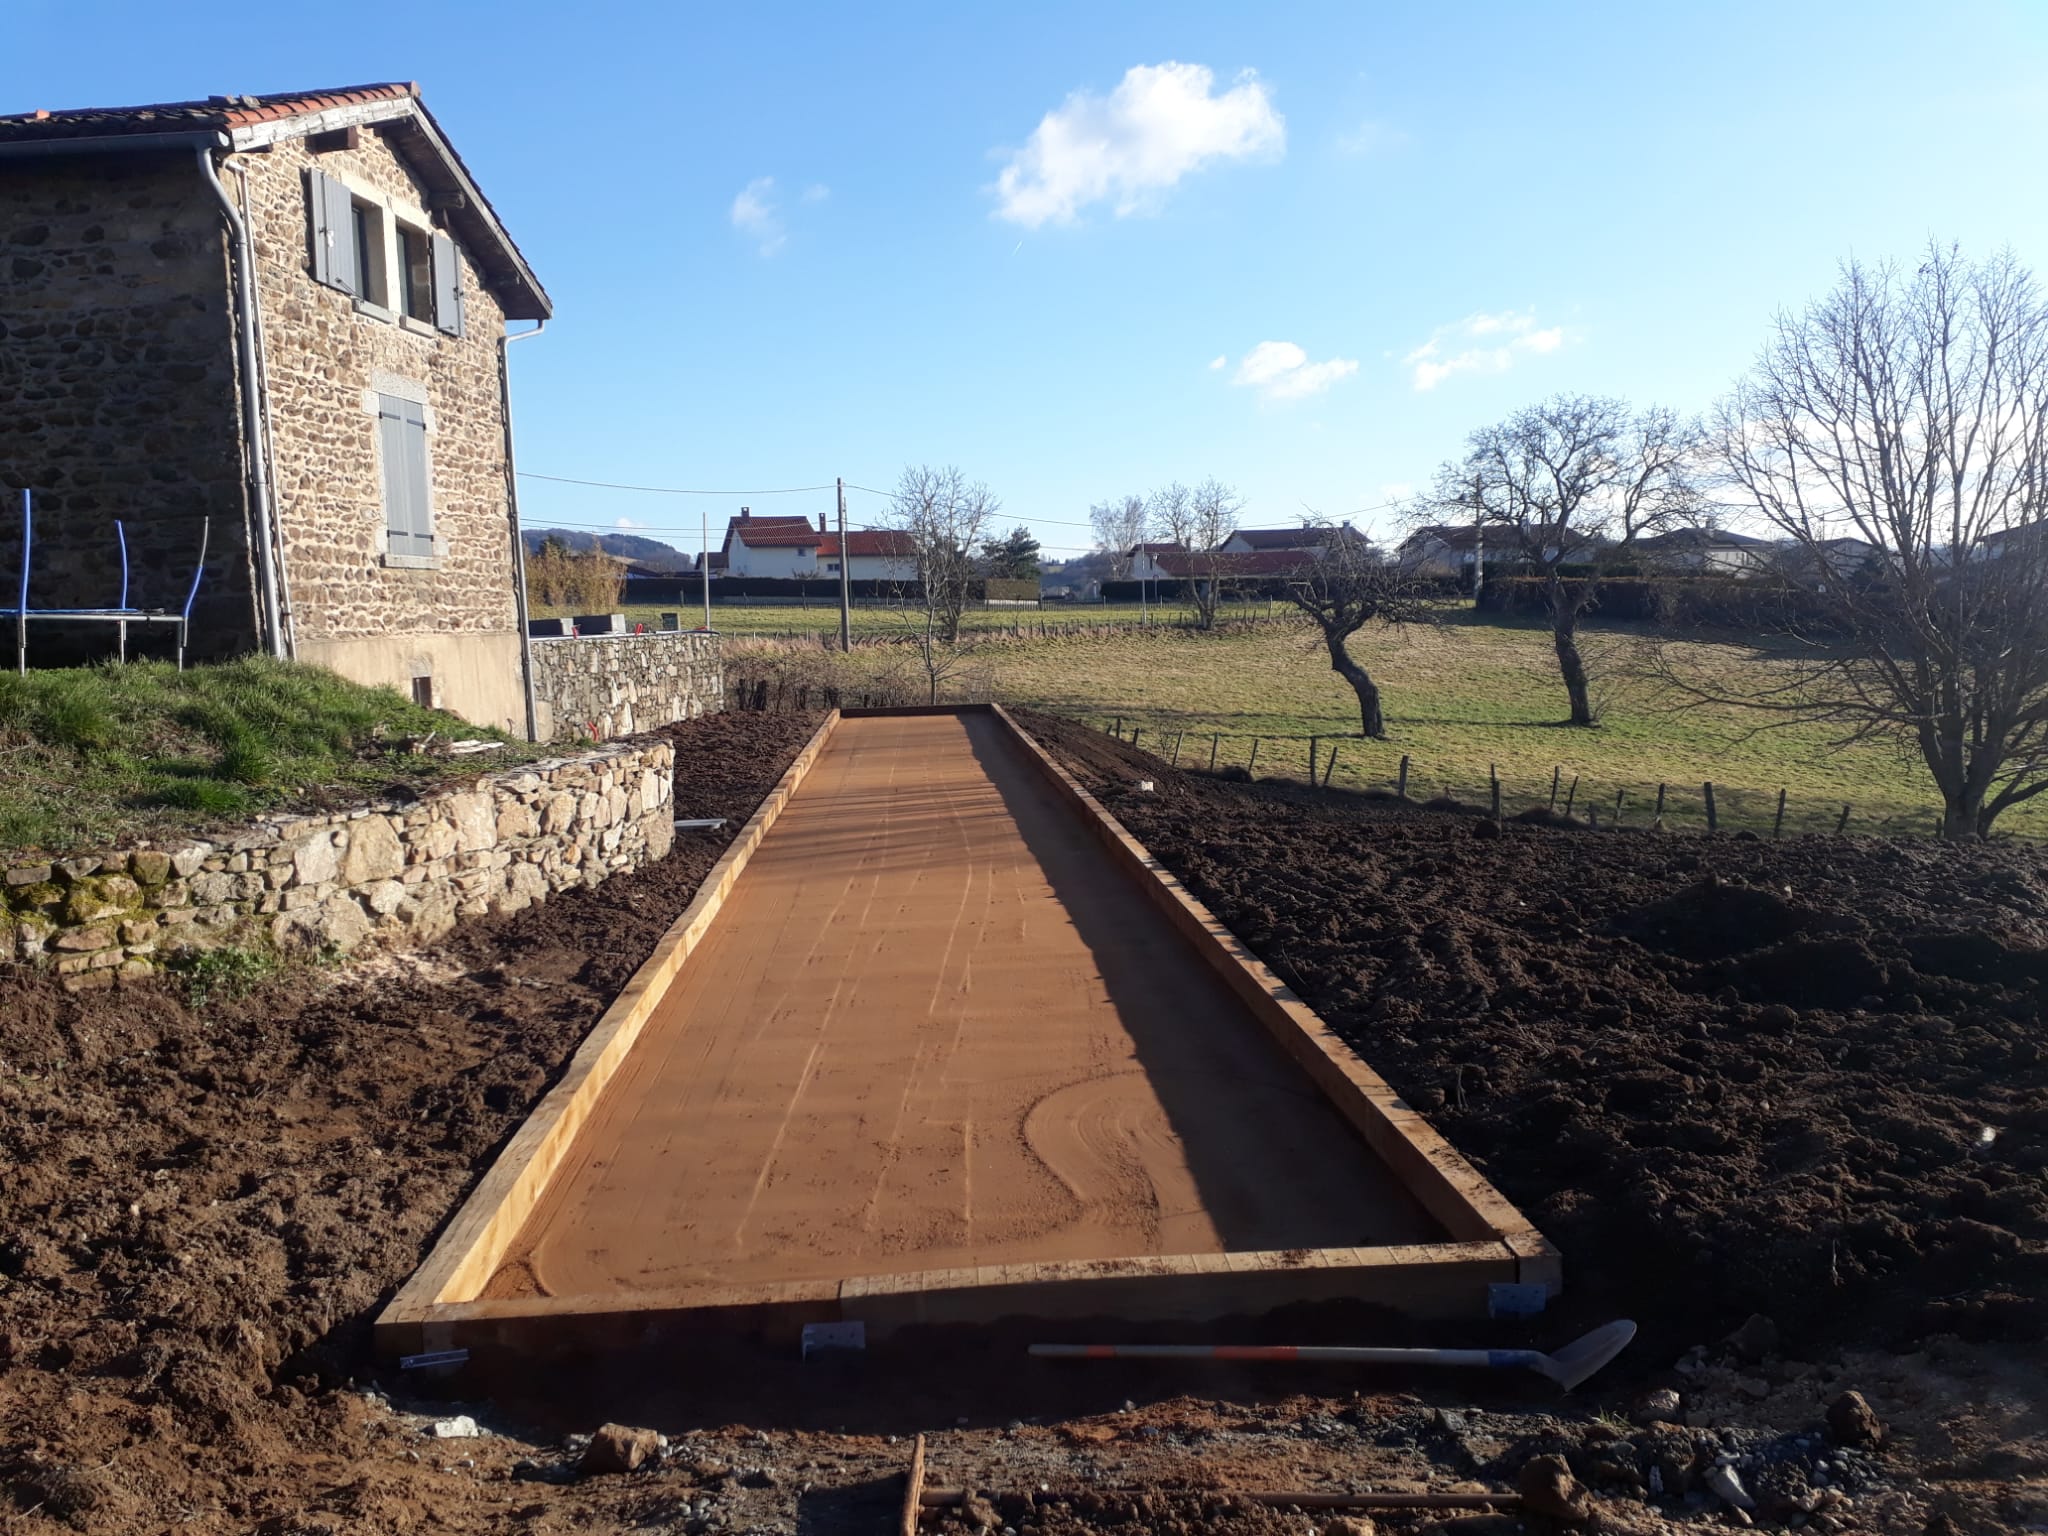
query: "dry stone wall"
613, 685
391, 871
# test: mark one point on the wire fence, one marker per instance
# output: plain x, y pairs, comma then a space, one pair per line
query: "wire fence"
1347, 761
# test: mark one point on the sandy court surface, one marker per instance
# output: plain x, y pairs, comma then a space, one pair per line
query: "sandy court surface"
934, 1027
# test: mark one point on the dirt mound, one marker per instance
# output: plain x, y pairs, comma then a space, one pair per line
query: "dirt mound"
1710, 920
1725, 1076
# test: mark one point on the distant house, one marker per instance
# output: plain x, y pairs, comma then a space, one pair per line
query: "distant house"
2028, 541
1829, 560
1307, 540
1440, 550
283, 317
1145, 560
1236, 565
791, 549
1707, 552
1453, 549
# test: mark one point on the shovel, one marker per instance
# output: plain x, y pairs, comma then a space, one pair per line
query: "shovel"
1568, 1367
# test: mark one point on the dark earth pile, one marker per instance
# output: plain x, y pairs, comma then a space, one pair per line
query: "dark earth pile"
1807, 1078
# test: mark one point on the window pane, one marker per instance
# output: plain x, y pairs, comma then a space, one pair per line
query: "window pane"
365, 251
416, 273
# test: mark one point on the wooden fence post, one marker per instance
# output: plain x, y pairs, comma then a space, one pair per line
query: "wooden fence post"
1177, 740
1493, 776
1136, 732
1555, 775
1713, 824
1118, 729
1660, 804
1617, 806
1572, 797
1330, 768
1252, 768
1778, 826
1403, 790
1842, 825
1214, 742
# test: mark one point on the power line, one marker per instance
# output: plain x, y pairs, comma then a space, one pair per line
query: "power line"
669, 490
799, 490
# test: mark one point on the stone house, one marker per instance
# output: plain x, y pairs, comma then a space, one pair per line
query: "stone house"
285, 316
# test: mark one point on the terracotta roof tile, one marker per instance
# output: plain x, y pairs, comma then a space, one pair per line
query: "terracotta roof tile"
222, 112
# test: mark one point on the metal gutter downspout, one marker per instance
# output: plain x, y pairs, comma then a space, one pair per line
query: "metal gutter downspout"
204, 142
252, 404
518, 535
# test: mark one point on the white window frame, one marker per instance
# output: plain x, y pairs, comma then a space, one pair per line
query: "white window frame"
385, 262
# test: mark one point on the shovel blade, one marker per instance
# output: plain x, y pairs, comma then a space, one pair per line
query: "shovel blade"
1583, 1357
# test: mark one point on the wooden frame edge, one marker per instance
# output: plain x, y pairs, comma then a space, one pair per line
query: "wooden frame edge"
1450, 1188
473, 1244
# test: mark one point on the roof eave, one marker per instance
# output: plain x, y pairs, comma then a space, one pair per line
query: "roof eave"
514, 284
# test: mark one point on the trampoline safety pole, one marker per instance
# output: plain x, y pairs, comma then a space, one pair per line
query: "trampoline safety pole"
21, 597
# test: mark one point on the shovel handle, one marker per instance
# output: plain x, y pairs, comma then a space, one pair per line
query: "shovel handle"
1496, 1359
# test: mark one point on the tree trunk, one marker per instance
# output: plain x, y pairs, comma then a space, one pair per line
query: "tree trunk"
1370, 721
1564, 635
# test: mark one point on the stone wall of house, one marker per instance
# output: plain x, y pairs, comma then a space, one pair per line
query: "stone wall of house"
395, 872
613, 685
117, 393
326, 360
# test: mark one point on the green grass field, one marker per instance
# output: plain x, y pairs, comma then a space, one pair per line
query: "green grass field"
1460, 698
790, 620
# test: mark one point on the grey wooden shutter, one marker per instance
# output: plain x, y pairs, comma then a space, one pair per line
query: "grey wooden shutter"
402, 446
447, 286
397, 483
316, 223
334, 231
417, 497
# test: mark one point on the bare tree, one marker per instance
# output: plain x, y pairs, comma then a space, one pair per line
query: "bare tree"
1572, 484
947, 520
1350, 586
1120, 526
1896, 434
1200, 520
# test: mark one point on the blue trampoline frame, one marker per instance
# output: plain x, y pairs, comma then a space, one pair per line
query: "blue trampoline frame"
121, 615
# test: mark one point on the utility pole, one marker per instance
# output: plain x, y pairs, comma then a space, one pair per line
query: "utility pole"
704, 562
845, 580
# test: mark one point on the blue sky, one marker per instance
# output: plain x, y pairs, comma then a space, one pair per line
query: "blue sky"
1081, 249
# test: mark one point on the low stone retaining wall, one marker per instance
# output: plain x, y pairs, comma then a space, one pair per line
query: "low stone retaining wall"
402, 872
613, 685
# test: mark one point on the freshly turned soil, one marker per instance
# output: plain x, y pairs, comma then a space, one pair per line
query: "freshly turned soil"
934, 1026
1724, 1075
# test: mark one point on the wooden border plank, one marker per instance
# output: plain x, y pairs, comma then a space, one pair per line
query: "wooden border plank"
472, 1246
1450, 1188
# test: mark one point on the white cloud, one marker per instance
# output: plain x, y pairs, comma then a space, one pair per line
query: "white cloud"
1280, 370
754, 215
1216, 363
1161, 122
1480, 344
627, 522
817, 192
